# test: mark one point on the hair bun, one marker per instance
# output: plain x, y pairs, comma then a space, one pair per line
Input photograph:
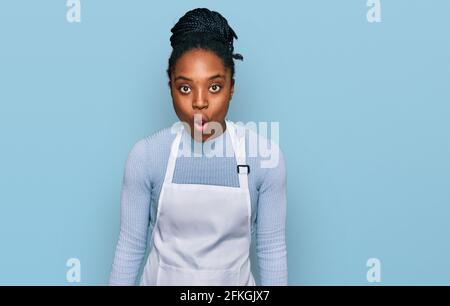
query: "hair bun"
205, 21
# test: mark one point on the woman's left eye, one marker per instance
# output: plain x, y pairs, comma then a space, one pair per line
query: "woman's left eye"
215, 88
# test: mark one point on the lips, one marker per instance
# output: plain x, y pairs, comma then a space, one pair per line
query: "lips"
200, 121
200, 118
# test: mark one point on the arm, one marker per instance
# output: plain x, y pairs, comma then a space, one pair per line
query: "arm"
135, 207
271, 221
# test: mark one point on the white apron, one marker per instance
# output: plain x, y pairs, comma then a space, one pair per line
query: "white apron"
202, 233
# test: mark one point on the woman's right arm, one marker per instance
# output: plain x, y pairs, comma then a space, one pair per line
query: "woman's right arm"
134, 219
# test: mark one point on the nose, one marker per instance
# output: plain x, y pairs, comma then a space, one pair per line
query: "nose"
200, 100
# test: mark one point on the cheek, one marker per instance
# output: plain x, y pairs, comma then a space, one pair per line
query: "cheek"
219, 105
179, 102
182, 104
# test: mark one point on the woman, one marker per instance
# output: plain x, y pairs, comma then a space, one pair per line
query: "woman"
202, 210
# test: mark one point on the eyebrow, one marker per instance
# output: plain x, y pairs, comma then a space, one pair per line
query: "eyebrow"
181, 77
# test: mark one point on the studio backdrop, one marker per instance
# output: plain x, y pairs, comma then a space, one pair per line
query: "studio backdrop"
360, 89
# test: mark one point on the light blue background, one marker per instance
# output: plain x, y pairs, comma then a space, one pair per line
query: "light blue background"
363, 108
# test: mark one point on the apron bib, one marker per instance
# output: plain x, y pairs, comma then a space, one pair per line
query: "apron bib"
202, 233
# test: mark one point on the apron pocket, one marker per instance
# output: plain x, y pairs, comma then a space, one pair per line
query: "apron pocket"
174, 276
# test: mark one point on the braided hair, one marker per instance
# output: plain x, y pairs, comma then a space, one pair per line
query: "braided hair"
205, 29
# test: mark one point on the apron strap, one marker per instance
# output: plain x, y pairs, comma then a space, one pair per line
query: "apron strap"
237, 135
173, 156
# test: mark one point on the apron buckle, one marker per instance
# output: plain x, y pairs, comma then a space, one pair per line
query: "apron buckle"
244, 166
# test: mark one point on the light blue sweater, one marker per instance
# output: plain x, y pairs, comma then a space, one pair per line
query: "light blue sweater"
142, 181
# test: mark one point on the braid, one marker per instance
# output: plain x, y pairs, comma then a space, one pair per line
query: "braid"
202, 28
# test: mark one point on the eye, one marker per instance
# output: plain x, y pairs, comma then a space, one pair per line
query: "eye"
215, 88
184, 89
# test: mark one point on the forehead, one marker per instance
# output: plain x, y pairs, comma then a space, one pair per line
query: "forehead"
198, 63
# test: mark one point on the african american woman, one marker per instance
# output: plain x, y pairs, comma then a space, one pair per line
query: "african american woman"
199, 212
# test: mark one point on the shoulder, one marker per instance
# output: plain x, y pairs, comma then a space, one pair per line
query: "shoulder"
160, 136
152, 141
148, 149
147, 157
